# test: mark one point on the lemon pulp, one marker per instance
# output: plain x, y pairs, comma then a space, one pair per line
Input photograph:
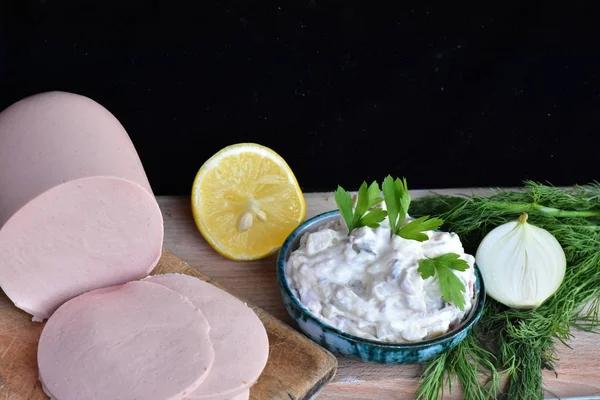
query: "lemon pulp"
246, 201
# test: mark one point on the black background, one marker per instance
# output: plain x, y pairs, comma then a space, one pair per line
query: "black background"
446, 94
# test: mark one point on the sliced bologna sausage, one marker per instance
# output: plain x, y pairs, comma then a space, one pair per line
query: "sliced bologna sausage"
239, 338
82, 235
140, 341
57, 153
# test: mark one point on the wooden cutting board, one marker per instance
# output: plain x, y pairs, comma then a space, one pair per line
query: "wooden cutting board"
297, 368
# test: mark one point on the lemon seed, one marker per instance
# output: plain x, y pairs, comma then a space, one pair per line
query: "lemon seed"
260, 214
245, 222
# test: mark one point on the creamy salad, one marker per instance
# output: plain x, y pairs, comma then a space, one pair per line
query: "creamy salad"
366, 283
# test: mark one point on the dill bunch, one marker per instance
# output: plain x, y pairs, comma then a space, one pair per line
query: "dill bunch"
515, 345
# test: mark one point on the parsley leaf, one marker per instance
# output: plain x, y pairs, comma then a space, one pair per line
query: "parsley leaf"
344, 203
374, 195
451, 286
373, 218
368, 197
397, 200
415, 228
363, 214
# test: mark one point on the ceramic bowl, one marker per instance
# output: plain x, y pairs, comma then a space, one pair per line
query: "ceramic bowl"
343, 343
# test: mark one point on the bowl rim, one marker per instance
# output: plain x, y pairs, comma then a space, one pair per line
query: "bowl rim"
467, 323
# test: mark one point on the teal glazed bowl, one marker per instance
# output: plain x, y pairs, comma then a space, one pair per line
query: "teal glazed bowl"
343, 343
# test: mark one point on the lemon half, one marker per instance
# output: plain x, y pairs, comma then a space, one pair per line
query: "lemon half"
246, 201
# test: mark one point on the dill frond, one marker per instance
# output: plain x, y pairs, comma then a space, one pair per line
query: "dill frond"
518, 344
470, 363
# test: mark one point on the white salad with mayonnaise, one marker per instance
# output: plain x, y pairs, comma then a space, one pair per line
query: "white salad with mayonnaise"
371, 282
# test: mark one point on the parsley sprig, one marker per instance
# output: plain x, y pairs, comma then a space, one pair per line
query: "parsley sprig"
397, 201
363, 214
452, 288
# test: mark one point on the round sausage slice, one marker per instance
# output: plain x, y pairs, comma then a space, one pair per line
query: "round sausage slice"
82, 235
140, 340
239, 338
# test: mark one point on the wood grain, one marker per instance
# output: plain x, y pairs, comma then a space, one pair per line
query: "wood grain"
18, 354
578, 369
297, 368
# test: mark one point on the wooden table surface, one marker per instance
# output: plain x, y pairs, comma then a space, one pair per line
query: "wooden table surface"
578, 368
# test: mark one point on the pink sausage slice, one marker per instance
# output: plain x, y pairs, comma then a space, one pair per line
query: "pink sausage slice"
82, 235
239, 338
135, 341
